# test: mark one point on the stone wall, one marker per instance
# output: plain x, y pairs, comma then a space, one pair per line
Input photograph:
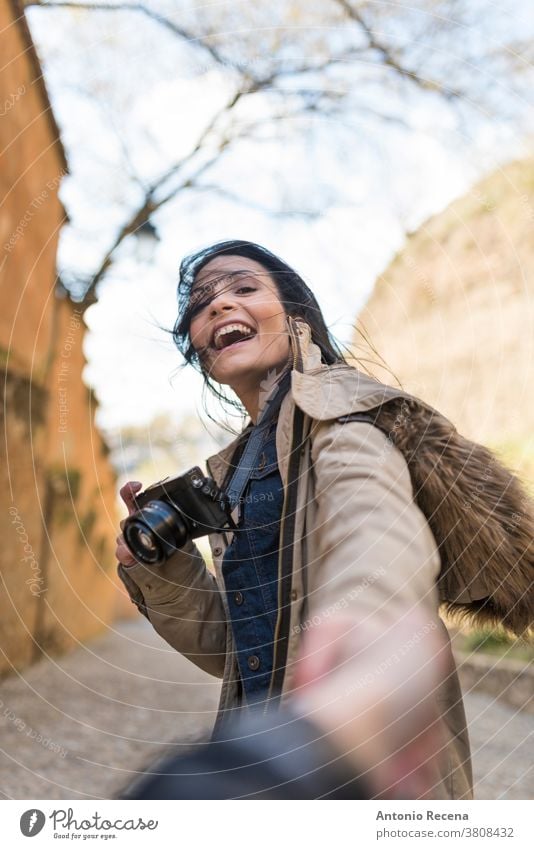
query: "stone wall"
58, 512
453, 315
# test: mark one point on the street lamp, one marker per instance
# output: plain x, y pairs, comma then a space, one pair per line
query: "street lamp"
147, 240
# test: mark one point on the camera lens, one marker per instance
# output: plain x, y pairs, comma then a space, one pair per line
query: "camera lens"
155, 532
143, 543
145, 539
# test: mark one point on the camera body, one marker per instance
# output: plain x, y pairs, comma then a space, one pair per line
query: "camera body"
171, 512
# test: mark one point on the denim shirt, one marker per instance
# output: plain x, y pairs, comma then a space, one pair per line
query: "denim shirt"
250, 571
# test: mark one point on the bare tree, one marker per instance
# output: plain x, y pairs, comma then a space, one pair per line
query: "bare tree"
303, 57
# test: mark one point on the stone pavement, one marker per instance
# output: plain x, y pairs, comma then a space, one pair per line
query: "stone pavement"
502, 747
102, 712
84, 725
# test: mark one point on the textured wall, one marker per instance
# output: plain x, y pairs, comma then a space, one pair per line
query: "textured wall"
57, 516
453, 315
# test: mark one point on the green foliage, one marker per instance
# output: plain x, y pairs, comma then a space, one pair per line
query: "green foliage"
517, 453
25, 398
65, 481
497, 643
87, 523
101, 551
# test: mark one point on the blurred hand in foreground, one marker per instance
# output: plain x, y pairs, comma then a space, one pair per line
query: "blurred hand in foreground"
372, 691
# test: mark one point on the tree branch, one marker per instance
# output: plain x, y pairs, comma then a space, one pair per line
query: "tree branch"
151, 205
390, 59
159, 192
228, 195
201, 40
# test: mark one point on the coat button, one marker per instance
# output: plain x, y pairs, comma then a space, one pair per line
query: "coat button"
253, 662
238, 597
294, 595
217, 551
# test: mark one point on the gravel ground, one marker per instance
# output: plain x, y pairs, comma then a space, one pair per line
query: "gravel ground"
84, 726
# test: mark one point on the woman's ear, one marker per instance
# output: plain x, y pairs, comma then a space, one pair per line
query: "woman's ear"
302, 324
290, 318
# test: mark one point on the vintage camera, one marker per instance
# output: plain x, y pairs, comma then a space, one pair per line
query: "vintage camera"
173, 511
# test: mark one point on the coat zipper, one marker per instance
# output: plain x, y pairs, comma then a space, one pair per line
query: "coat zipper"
285, 565
297, 355
285, 554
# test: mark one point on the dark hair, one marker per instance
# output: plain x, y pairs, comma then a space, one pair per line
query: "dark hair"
297, 300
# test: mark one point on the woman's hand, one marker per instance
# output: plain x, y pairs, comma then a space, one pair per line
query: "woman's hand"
127, 493
374, 693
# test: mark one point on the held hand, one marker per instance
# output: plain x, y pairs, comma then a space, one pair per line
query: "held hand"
372, 690
127, 493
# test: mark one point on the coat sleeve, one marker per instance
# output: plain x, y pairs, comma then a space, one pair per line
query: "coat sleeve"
183, 603
374, 552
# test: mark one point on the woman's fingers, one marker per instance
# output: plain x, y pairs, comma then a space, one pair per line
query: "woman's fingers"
127, 493
323, 649
373, 689
123, 553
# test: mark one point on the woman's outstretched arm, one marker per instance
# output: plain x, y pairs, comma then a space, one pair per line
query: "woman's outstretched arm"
375, 554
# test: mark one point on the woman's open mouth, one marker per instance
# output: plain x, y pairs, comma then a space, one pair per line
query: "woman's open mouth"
232, 335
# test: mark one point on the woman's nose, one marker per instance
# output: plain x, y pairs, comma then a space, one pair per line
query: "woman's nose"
221, 303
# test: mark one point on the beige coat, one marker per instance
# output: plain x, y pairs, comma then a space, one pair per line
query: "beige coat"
353, 540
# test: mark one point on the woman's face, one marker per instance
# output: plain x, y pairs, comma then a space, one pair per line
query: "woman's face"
238, 325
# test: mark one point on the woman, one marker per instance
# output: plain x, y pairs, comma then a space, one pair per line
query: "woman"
339, 505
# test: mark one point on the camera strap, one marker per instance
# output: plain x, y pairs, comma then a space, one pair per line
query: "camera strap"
247, 462
258, 435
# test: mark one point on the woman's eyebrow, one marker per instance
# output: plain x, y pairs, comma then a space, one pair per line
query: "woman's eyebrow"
206, 289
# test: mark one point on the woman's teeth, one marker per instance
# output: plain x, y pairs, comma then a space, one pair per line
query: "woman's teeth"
224, 337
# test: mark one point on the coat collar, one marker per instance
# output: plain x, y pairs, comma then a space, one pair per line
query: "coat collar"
326, 392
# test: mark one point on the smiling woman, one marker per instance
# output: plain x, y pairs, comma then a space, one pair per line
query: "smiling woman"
348, 501
238, 327
243, 273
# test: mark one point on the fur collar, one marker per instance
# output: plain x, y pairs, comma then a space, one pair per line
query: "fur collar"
481, 517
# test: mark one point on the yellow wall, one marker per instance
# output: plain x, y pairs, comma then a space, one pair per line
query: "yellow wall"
57, 518
453, 314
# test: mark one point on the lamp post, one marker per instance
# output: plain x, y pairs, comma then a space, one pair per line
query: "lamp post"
147, 240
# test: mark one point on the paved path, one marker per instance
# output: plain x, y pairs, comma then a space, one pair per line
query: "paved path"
83, 726
502, 747
107, 709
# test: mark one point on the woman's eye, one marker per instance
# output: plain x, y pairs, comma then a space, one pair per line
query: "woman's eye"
245, 289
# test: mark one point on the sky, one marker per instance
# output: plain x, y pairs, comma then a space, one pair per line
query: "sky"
368, 182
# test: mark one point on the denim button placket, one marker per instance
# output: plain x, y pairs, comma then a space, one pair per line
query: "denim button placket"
253, 573
264, 532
